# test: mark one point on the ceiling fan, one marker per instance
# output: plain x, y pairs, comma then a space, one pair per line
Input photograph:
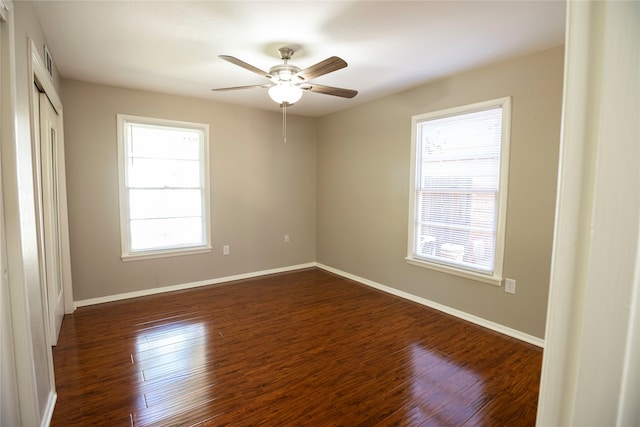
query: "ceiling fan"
287, 81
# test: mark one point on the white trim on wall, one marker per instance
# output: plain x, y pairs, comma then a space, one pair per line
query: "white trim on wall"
13, 147
47, 414
11, 319
513, 333
38, 74
592, 330
182, 286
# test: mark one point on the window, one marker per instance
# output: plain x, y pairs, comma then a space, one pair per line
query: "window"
164, 179
459, 188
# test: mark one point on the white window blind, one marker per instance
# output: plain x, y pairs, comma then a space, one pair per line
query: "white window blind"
456, 199
164, 201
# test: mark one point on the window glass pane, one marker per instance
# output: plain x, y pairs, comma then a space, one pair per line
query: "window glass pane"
453, 137
471, 248
164, 203
166, 233
161, 173
164, 142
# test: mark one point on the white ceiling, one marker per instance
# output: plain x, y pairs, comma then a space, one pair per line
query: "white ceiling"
173, 46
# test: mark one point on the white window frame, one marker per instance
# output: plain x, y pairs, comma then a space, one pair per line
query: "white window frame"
494, 277
127, 253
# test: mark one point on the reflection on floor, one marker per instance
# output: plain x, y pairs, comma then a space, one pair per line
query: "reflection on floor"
293, 349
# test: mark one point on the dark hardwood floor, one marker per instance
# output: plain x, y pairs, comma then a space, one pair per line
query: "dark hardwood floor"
292, 349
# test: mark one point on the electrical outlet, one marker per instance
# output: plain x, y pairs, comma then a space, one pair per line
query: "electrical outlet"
225, 250
510, 286
286, 238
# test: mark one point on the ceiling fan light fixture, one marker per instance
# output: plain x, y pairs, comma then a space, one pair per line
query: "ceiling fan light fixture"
285, 92
287, 81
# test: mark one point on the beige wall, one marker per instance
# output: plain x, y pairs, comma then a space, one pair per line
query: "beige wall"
363, 185
262, 189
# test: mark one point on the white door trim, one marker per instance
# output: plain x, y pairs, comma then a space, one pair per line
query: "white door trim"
29, 410
42, 79
590, 364
9, 401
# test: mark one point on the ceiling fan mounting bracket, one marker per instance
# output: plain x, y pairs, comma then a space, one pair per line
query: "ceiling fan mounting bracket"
286, 53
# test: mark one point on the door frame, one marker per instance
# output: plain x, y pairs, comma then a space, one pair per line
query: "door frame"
43, 83
590, 364
9, 394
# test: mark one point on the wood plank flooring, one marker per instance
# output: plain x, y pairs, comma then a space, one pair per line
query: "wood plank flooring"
305, 348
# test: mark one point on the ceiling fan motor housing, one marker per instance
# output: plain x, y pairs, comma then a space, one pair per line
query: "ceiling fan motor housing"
285, 73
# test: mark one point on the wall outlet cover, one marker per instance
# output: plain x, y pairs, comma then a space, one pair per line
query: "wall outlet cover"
510, 286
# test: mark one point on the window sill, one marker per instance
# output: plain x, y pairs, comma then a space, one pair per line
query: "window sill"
165, 253
491, 280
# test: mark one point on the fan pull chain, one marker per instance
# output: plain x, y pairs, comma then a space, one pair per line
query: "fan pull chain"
284, 122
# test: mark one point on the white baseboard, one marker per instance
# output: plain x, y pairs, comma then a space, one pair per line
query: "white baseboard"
437, 306
47, 416
179, 287
440, 307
